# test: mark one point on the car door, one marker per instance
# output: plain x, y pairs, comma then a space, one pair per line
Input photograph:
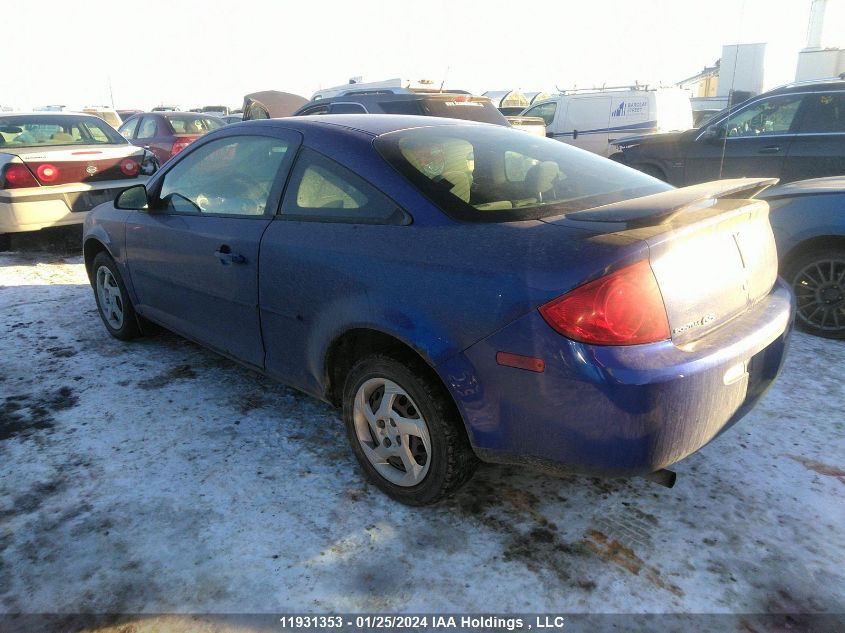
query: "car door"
587, 122
818, 148
751, 142
315, 259
151, 135
193, 257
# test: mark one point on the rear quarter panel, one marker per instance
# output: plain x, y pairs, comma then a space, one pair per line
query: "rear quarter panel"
439, 289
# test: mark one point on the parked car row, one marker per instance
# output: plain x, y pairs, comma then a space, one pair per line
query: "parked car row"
792, 132
167, 133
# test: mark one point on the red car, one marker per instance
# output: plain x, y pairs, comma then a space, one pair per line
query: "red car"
167, 133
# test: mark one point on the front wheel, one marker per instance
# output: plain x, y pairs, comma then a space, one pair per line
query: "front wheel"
113, 301
404, 430
818, 280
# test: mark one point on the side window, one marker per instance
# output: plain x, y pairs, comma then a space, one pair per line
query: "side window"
228, 176
346, 108
769, 116
128, 128
545, 111
320, 109
823, 114
97, 134
256, 112
321, 189
148, 128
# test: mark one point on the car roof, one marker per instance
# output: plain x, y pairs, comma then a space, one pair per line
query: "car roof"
63, 113
373, 124
814, 85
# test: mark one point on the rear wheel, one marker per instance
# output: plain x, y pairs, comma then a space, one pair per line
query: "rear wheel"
113, 301
405, 432
818, 279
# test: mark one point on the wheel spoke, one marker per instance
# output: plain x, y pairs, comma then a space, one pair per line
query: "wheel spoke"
412, 468
388, 399
409, 426
376, 454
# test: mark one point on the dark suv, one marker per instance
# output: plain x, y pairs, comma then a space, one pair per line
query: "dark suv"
793, 132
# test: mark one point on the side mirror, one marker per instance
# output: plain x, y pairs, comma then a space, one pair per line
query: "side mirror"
712, 134
132, 199
574, 134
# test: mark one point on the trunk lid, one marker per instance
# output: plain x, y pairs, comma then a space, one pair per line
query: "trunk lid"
711, 249
82, 163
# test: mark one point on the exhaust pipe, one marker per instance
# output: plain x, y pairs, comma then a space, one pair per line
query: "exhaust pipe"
664, 477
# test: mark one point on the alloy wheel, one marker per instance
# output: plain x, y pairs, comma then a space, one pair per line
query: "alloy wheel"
110, 298
392, 432
820, 291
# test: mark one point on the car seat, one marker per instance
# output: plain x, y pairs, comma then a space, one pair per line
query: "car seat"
457, 155
540, 179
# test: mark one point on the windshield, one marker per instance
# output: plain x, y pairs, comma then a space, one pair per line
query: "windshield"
56, 129
463, 107
492, 174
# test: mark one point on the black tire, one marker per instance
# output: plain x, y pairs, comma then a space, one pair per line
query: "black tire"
128, 327
451, 462
5, 242
651, 170
816, 278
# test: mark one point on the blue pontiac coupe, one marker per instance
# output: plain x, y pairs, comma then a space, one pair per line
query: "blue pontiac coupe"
462, 291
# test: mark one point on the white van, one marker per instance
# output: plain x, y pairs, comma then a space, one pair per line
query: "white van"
592, 119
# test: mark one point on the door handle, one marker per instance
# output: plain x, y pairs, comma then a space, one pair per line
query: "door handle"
226, 256
770, 149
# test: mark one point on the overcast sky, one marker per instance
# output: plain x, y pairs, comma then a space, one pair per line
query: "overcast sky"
200, 52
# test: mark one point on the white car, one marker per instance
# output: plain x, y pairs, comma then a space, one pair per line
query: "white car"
55, 166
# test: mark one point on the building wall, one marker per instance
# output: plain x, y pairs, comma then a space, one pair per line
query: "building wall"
820, 64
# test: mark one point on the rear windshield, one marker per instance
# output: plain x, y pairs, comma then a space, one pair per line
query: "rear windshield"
55, 129
463, 107
192, 124
493, 174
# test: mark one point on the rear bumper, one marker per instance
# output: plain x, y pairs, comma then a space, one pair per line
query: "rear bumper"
616, 410
37, 208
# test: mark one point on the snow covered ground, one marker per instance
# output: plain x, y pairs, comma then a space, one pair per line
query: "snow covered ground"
157, 477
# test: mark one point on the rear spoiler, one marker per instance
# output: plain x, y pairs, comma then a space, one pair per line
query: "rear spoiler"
659, 208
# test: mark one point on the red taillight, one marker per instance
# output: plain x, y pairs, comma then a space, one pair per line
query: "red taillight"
47, 172
16, 176
623, 308
179, 145
129, 167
